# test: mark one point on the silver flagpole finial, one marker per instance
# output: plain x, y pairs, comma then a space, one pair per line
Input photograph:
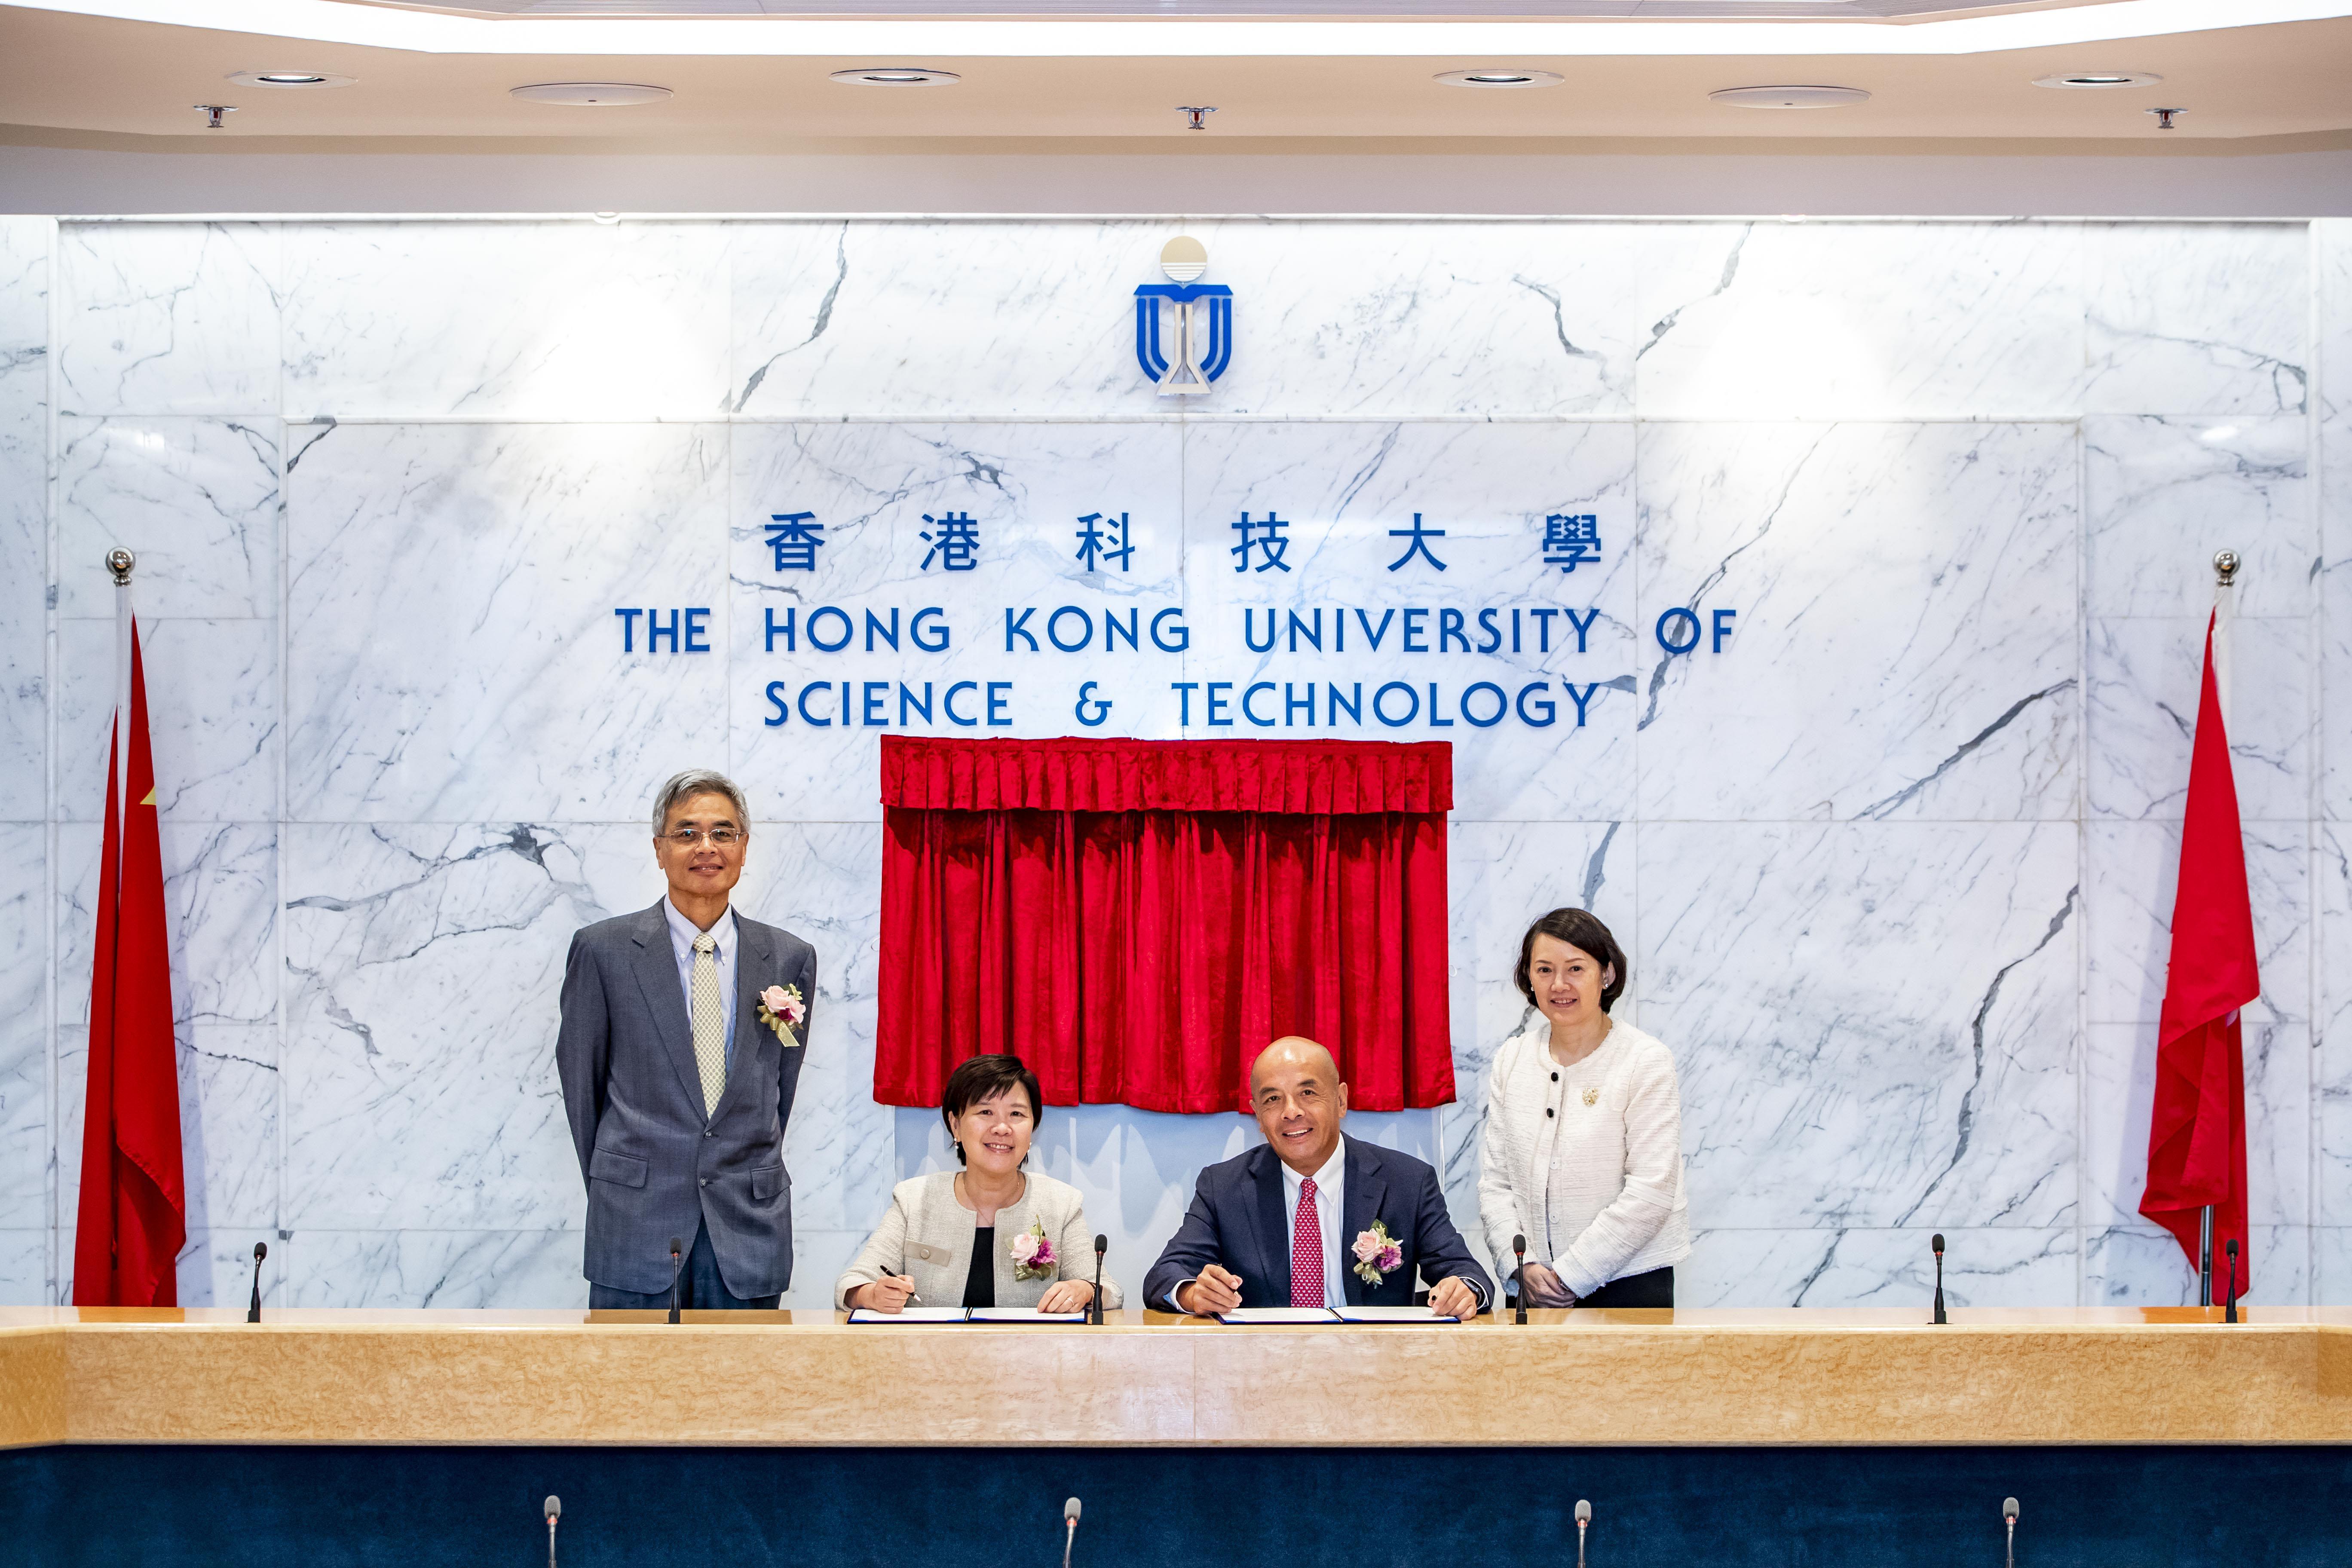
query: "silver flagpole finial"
2225, 565
120, 561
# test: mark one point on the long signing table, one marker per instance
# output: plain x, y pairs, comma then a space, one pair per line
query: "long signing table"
1700, 1436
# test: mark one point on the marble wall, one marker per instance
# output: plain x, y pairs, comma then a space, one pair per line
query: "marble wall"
1894, 868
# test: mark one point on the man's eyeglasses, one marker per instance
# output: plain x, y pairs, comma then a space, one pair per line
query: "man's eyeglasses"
688, 837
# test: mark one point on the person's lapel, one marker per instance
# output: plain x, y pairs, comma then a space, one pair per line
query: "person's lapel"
1365, 1190
1274, 1239
755, 971
656, 967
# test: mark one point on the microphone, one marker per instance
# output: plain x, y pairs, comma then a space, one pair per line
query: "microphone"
2229, 1312
253, 1311
2009, 1513
1520, 1277
1095, 1308
552, 1507
1070, 1514
1583, 1518
1936, 1241
676, 1262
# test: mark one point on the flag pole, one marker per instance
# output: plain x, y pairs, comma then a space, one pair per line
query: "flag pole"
2225, 605
120, 561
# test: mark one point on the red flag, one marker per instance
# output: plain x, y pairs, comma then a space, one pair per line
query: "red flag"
2197, 1136
134, 1205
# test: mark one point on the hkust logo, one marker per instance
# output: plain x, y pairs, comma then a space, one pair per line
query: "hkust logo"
1183, 328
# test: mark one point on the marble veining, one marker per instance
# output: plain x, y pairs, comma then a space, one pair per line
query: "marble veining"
1894, 862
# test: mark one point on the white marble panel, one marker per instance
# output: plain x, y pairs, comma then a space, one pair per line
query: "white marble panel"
2197, 318
168, 318
220, 899
2333, 996
195, 500
228, 1126
24, 512
871, 487
212, 717
2331, 244
2146, 676
1904, 643
2162, 495
1857, 1266
2141, 1265
553, 319
2134, 868
819, 1257
2334, 251
484, 677
424, 965
1023, 319
23, 1032
433, 1267
1873, 1023
1499, 878
2331, 1265
1834, 321
2118, 1093
1349, 494
24, 1268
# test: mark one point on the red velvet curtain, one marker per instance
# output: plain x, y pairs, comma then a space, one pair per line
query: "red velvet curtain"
1136, 919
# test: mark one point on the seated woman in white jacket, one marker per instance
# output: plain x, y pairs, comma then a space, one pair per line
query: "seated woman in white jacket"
991, 1235
1583, 1152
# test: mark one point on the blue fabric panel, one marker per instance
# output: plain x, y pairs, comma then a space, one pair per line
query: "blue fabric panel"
422, 1507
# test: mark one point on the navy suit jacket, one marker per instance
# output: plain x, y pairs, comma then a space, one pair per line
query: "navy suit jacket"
654, 1164
1236, 1221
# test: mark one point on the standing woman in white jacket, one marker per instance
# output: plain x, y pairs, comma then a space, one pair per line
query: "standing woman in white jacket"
1583, 1152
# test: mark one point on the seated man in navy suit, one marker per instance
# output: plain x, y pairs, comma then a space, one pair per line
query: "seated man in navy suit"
1311, 1218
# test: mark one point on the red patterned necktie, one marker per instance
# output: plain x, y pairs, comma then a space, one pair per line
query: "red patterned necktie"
1306, 1250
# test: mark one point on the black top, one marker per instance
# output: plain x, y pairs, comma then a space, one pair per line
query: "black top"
979, 1285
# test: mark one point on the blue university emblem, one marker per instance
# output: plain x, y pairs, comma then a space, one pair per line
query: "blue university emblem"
1198, 339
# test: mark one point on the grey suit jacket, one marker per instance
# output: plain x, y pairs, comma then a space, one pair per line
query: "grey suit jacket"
654, 1164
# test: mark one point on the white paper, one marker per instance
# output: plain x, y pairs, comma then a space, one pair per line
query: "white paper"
909, 1315
1393, 1315
1277, 1315
1024, 1315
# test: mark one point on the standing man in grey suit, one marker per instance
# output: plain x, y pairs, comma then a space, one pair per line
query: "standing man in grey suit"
684, 1027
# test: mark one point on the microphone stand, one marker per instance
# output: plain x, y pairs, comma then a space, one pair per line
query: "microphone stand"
676, 1267
253, 1311
1520, 1298
2229, 1313
1094, 1306
1937, 1243
2205, 1256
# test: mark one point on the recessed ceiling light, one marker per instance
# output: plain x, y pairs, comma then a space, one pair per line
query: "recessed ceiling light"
591, 94
1790, 97
2099, 79
1498, 76
289, 79
896, 76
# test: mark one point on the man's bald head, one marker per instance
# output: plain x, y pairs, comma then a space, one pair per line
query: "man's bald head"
1295, 1090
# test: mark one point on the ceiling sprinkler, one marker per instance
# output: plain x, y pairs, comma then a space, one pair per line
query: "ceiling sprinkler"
1200, 115
2164, 118
213, 113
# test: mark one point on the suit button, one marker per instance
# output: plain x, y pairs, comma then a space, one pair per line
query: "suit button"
1546, 1112
706, 1180
707, 1133
1555, 1077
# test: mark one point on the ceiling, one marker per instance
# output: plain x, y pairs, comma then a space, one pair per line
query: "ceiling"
66, 72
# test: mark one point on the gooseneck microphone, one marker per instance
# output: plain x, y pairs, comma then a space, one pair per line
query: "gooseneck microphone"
1520, 1277
1936, 1241
1583, 1518
2229, 1312
1070, 1515
676, 1262
252, 1310
2009, 1513
1094, 1306
554, 1507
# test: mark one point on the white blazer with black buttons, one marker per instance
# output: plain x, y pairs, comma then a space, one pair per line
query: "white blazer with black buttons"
928, 1236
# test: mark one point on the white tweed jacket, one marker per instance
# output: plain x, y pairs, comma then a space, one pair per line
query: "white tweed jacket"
928, 1236
1585, 1162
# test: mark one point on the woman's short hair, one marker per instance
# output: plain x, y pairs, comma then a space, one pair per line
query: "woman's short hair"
983, 1078
1580, 930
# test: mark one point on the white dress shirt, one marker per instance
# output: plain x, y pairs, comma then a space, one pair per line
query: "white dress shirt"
682, 932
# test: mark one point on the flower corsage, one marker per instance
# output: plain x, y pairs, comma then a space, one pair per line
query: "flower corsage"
1032, 1255
1378, 1254
782, 1009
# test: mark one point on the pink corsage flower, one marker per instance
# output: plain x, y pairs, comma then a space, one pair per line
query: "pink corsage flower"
782, 1009
1032, 1255
1378, 1254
